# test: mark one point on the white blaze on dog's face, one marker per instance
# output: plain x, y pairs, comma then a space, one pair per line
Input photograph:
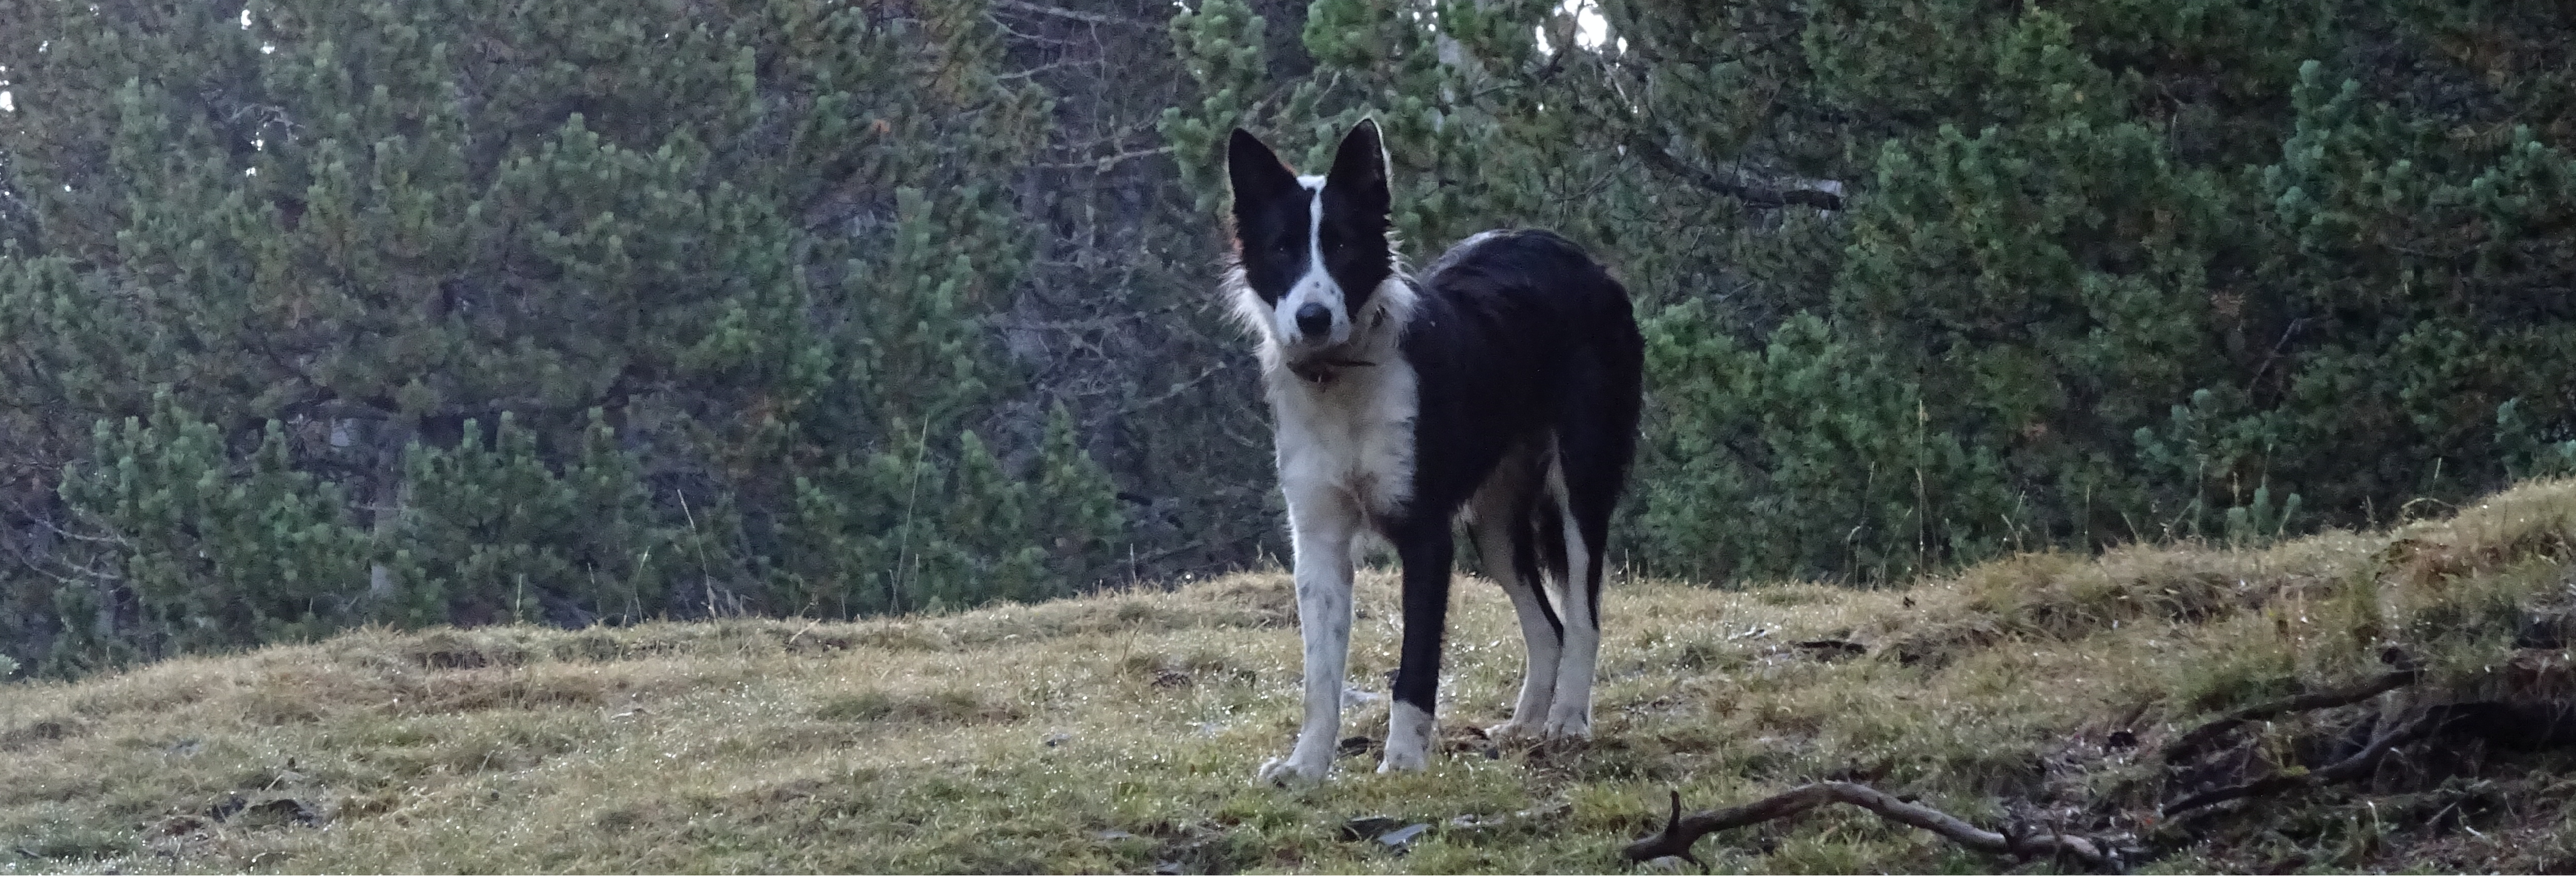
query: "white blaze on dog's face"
1312, 250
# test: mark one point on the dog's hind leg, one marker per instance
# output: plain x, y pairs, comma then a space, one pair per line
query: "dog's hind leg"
1578, 603
1322, 524
1499, 523
1592, 453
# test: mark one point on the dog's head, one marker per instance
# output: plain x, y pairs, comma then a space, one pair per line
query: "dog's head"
1313, 251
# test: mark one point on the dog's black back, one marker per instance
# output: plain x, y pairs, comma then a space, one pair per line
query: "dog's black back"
1518, 335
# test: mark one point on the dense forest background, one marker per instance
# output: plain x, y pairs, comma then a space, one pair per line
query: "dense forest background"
317, 314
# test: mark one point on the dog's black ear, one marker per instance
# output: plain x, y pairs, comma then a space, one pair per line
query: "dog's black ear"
1253, 170
1359, 167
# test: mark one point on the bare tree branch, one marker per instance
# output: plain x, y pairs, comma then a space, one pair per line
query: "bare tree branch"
1681, 832
1104, 163
2192, 742
1751, 196
1090, 17
2353, 767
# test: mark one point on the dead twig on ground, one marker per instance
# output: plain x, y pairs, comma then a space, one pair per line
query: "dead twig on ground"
2351, 768
2191, 743
1680, 832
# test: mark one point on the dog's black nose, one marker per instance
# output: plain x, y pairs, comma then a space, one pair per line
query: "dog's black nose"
1314, 320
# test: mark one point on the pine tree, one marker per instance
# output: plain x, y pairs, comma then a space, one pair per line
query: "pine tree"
555, 314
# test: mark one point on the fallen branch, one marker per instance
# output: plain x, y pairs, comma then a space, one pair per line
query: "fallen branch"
2192, 743
1681, 832
2350, 768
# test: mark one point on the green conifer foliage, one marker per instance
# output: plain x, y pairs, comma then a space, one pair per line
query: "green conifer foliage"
210, 547
556, 313
491, 532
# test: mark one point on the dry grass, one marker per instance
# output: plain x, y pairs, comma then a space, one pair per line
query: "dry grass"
1119, 732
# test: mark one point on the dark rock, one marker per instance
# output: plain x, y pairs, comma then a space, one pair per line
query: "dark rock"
1371, 826
1402, 839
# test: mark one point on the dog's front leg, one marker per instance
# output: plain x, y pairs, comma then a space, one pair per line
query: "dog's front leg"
1322, 525
1427, 551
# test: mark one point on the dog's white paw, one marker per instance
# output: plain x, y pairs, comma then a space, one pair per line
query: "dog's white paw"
1395, 761
1571, 727
1511, 730
1287, 771
1409, 731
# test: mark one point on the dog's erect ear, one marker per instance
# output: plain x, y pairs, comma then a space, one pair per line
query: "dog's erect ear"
1359, 167
1253, 170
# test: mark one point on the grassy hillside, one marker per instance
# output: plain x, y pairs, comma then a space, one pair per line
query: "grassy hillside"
1120, 732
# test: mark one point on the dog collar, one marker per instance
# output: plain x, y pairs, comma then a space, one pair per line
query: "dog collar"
1323, 370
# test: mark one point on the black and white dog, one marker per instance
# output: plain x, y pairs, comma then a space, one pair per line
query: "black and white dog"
1501, 385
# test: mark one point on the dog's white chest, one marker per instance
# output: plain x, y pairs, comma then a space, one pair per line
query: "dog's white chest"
1352, 436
